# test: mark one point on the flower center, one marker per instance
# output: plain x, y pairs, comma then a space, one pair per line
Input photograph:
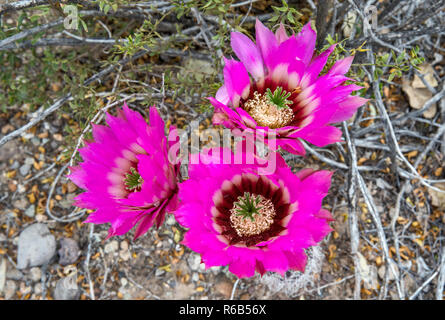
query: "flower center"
252, 215
133, 180
270, 109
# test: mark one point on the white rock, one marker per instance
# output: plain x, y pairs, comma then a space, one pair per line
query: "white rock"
35, 274
24, 170
170, 220
36, 246
194, 261
125, 255
111, 246
31, 211
10, 289
67, 289
124, 245
38, 288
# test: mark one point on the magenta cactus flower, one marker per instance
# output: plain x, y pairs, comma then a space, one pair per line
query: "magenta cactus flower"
249, 221
277, 88
127, 174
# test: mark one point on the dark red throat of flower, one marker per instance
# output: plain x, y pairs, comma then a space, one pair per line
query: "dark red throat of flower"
272, 108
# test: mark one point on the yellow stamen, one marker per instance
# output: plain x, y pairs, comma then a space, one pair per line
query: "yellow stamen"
259, 222
267, 114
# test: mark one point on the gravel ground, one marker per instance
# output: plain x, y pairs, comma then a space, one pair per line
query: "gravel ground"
71, 260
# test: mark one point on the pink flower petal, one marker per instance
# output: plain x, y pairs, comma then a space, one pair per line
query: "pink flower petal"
266, 41
341, 66
248, 53
323, 136
236, 81
306, 43
347, 108
316, 66
281, 34
222, 95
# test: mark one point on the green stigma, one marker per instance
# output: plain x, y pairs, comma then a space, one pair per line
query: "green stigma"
247, 205
133, 180
279, 97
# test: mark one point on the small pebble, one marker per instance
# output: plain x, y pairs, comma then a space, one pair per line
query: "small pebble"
31, 211
15, 165
24, 289
194, 262
124, 245
125, 255
24, 169
35, 274
111, 246
38, 288
67, 289
35, 141
12, 273
10, 289
159, 272
69, 251
170, 220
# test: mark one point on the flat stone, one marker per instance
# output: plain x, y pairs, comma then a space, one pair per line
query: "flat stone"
24, 169
15, 165
197, 66
35, 141
36, 246
14, 274
224, 288
68, 252
67, 289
